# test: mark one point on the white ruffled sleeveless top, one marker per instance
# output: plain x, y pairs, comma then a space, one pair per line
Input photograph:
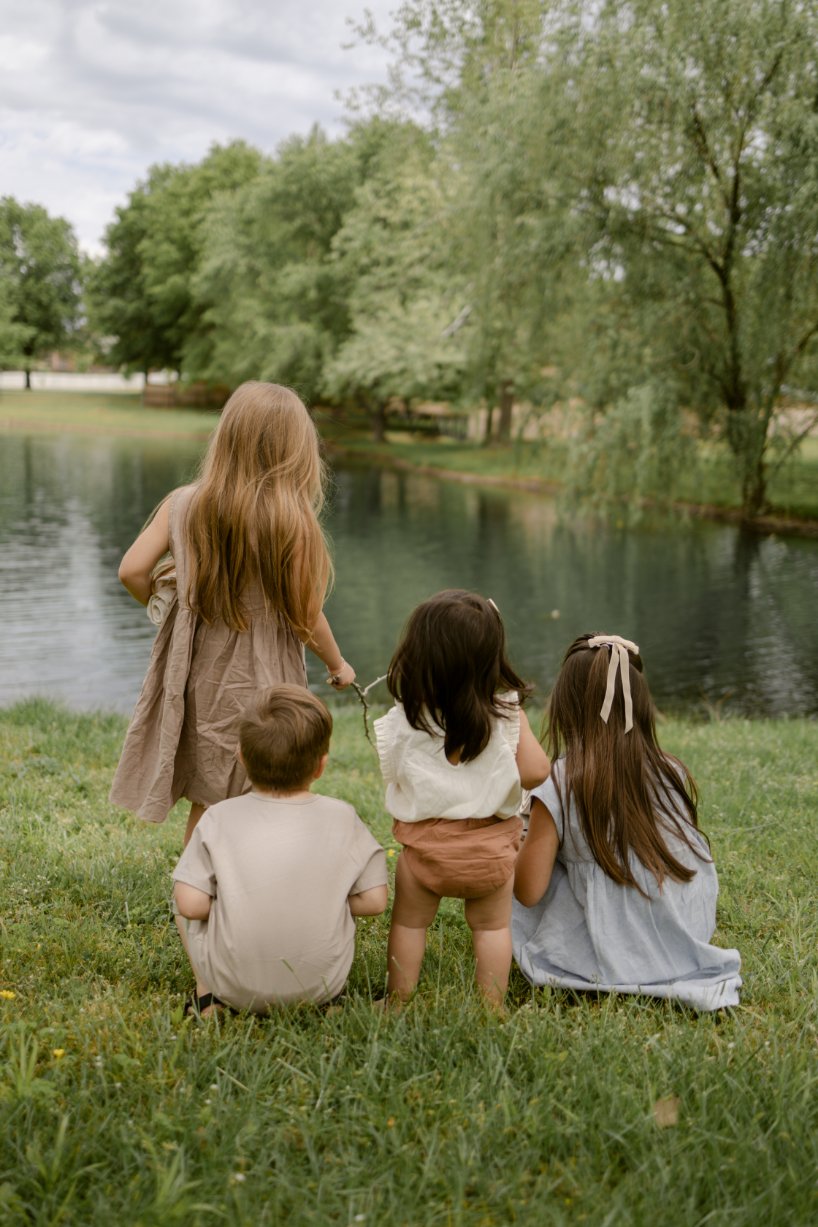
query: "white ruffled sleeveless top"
421, 783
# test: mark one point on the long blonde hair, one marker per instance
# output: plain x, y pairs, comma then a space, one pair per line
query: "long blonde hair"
254, 513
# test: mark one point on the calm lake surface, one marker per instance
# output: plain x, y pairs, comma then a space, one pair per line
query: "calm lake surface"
722, 618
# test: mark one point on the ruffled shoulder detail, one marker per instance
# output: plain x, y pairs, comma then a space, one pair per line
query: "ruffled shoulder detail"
509, 722
388, 729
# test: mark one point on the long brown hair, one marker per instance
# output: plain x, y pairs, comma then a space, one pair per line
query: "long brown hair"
624, 786
254, 514
449, 668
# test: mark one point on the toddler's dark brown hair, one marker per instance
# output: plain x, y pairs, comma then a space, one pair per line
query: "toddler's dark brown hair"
450, 669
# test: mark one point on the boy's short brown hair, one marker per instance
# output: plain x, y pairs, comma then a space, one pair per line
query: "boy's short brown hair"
283, 736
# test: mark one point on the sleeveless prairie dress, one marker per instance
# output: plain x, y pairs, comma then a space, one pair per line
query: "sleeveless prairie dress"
183, 734
589, 933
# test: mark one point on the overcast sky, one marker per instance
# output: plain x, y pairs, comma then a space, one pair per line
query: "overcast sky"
93, 92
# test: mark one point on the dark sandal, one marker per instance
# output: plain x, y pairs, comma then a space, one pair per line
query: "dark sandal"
196, 1004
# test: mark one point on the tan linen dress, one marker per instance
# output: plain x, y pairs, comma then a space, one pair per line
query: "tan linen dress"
183, 735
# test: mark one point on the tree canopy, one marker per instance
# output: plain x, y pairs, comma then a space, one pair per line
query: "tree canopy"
611, 203
39, 283
141, 294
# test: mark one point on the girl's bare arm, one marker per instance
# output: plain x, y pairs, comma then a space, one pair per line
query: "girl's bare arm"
137, 564
532, 761
535, 864
322, 643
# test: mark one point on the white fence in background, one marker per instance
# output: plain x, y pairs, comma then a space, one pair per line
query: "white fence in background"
74, 381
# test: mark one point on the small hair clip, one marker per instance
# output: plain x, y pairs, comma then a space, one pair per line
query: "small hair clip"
493, 605
619, 662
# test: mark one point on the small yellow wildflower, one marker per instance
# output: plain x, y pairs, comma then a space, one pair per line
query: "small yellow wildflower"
390, 852
58, 1052
7, 994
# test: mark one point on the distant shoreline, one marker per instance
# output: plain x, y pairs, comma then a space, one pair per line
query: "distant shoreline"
122, 414
765, 525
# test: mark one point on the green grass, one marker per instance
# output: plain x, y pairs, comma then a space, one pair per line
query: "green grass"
115, 1109
99, 412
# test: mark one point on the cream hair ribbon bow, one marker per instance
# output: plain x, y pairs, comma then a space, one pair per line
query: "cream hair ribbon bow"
619, 660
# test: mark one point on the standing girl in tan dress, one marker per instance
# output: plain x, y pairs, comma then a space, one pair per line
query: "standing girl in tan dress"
252, 570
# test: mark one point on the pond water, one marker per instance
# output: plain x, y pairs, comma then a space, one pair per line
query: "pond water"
724, 619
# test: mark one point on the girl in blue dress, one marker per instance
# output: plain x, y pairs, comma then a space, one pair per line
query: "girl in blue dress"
615, 889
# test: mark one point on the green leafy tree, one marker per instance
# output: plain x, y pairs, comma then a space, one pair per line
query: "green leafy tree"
392, 258
13, 335
142, 291
477, 70
40, 301
639, 187
695, 143
121, 316
272, 305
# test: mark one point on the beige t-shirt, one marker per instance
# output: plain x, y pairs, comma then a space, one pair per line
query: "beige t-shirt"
279, 870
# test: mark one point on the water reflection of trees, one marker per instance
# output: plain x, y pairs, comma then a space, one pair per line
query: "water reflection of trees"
670, 586
714, 613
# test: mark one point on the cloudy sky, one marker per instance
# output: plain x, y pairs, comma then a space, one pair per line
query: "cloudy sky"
93, 92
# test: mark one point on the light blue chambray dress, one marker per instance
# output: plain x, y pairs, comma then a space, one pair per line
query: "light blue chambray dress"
587, 932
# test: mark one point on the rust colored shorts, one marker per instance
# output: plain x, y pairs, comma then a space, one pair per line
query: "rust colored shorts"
464, 858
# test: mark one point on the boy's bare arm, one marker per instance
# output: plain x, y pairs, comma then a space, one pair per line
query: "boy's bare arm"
193, 904
368, 902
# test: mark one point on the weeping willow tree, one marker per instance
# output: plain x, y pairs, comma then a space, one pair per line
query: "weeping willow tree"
696, 154
639, 201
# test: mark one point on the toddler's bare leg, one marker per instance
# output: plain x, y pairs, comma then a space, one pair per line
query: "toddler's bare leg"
193, 817
413, 911
489, 919
201, 987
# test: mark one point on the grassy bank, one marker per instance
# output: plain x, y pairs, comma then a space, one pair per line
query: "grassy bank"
709, 486
115, 1109
99, 413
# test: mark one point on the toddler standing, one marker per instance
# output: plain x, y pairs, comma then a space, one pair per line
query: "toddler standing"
455, 752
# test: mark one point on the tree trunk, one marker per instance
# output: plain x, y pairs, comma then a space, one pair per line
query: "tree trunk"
747, 440
489, 424
378, 415
754, 488
506, 404
28, 380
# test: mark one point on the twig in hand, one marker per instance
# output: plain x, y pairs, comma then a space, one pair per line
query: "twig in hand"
362, 692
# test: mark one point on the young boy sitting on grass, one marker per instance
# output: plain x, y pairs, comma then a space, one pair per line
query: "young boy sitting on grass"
270, 881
